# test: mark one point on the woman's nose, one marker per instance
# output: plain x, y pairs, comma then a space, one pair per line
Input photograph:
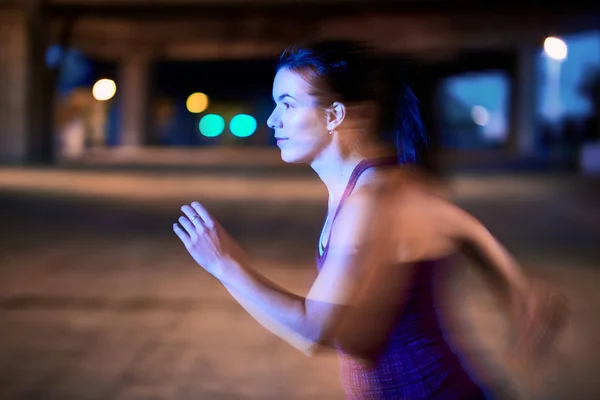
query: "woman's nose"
273, 122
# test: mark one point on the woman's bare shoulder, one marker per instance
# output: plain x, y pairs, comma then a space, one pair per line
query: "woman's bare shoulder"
427, 204
412, 181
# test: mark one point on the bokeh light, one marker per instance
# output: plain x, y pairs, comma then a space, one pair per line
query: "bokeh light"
211, 125
555, 48
197, 102
242, 125
53, 55
104, 89
480, 115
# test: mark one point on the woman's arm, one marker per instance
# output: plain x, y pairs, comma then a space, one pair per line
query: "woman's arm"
540, 310
307, 323
480, 246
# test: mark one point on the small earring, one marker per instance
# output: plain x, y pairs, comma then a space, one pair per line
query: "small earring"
330, 131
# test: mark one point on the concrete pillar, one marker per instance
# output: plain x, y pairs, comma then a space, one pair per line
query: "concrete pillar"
14, 60
26, 91
133, 91
524, 92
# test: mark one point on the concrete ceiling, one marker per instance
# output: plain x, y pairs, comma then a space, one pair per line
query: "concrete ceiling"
338, 5
179, 2
201, 29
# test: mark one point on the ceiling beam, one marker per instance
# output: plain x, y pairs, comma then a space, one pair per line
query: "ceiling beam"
432, 29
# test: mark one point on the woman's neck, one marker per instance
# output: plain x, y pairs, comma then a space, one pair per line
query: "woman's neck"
334, 166
334, 169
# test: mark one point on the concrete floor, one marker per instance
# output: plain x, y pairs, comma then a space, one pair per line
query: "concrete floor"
99, 300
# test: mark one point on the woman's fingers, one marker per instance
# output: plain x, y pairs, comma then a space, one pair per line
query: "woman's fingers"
195, 218
194, 225
189, 227
206, 218
182, 235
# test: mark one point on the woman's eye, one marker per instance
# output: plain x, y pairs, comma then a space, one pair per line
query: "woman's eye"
286, 106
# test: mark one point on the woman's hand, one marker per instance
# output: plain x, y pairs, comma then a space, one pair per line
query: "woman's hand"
544, 313
541, 315
206, 241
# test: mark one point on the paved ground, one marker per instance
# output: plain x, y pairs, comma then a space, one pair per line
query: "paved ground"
98, 300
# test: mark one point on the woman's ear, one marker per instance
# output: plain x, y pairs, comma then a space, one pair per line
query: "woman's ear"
335, 115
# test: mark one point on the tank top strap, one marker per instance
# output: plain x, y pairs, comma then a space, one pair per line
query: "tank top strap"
361, 167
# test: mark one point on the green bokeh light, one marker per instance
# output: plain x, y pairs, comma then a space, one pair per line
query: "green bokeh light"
242, 125
211, 125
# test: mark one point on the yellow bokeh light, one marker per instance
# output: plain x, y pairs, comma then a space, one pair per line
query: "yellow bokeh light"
104, 89
197, 103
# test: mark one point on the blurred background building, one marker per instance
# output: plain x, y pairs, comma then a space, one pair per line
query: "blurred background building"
98, 297
497, 82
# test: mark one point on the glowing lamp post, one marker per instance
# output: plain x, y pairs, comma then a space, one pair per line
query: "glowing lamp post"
555, 48
556, 51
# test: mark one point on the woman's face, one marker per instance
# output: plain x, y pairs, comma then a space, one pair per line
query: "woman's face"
300, 125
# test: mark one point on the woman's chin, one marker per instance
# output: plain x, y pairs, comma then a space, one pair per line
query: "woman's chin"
290, 158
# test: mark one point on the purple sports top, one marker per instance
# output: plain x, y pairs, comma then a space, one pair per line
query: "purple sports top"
416, 362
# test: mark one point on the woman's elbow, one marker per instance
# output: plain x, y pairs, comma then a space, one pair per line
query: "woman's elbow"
312, 350
366, 353
318, 345
309, 345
